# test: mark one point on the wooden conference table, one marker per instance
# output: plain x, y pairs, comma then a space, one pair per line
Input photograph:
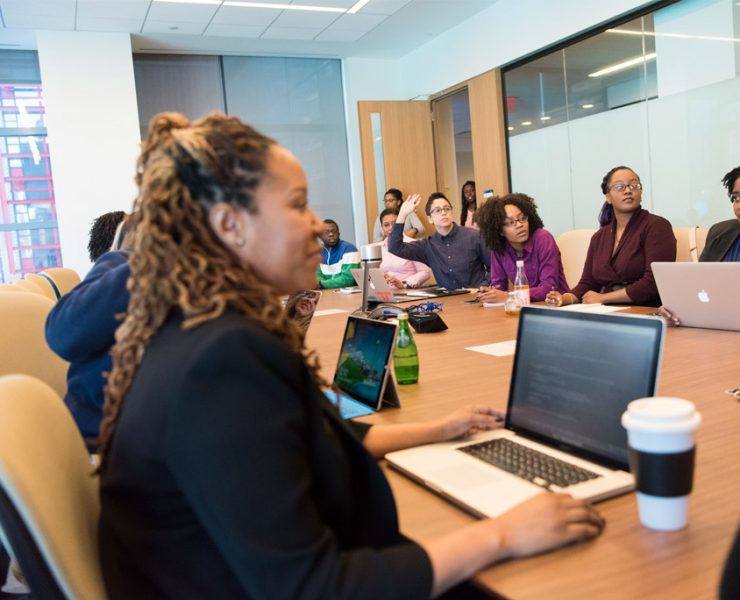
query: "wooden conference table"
627, 560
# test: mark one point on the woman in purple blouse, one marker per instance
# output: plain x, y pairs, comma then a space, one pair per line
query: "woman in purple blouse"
512, 229
618, 264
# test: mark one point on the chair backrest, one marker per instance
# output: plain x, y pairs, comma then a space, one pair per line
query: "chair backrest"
44, 285
689, 243
573, 249
9, 287
23, 347
29, 286
65, 279
49, 505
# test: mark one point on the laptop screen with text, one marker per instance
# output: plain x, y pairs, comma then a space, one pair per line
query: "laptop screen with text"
575, 373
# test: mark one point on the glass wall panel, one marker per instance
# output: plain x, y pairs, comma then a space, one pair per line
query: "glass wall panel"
300, 103
187, 84
658, 93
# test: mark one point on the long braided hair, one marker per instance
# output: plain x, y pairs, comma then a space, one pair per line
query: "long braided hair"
177, 261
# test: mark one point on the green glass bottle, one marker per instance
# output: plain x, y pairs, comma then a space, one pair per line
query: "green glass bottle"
405, 356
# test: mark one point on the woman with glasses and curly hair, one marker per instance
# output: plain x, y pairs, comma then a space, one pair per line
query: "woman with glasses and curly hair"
512, 229
225, 471
617, 268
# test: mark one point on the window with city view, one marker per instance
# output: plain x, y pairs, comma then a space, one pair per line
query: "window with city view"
29, 237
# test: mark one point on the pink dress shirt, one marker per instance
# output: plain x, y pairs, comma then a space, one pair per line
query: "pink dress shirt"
412, 272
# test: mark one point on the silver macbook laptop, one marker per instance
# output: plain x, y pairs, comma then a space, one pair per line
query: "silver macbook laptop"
380, 290
573, 376
701, 294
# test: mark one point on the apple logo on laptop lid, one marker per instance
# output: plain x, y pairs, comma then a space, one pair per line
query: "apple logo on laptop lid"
703, 296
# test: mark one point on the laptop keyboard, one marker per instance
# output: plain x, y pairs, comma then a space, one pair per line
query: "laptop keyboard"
537, 467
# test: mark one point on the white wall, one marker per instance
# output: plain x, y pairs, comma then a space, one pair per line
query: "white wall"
93, 130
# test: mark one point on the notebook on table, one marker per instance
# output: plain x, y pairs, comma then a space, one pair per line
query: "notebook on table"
573, 376
700, 294
363, 375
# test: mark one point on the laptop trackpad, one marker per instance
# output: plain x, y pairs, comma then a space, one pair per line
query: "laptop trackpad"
462, 476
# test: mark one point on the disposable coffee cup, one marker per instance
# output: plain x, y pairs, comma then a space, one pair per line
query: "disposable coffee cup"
660, 439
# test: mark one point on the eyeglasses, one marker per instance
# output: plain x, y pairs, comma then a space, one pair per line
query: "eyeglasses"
512, 222
620, 187
735, 197
441, 210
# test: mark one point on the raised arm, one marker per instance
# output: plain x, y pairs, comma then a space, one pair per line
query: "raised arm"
396, 245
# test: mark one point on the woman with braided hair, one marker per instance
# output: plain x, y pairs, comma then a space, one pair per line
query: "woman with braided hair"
225, 472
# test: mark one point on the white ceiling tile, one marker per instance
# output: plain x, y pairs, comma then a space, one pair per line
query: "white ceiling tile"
50, 8
346, 35
232, 15
96, 24
185, 13
382, 7
21, 21
290, 33
112, 9
357, 22
330, 3
304, 19
235, 31
152, 26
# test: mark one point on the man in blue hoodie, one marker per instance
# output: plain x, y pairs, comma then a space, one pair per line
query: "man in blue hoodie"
81, 329
338, 258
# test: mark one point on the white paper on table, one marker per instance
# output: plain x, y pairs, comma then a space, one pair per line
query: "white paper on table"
329, 311
498, 349
599, 309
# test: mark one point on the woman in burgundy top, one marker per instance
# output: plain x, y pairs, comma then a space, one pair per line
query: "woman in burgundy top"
617, 268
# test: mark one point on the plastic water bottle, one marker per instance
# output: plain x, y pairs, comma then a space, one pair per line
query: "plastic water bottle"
521, 283
405, 355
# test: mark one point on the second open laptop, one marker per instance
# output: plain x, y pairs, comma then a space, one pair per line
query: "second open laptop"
381, 291
701, 294
572, 378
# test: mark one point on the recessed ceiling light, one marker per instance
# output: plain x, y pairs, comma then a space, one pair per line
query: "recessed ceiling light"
626, 64
190, 1
545, 118
357, 6
286, 6
587, 106
525, 123
510, 128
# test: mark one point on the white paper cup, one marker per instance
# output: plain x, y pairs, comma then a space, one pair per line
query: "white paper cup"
660, 435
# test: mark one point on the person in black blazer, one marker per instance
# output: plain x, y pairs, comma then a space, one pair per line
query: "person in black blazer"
723, 239
225, 472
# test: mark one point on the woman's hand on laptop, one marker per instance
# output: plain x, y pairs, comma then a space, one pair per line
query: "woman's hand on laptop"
546, 522
469, 420
394, 282
670, 318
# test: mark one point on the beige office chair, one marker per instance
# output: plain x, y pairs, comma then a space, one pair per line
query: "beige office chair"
573, 249
689, 243
49, 504
28, 286
23, 347
64, 279
44, 285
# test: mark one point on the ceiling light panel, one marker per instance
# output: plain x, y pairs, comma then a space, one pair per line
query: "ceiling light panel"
298, 6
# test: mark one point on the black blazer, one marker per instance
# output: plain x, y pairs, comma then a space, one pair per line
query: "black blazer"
720, 238
231, 476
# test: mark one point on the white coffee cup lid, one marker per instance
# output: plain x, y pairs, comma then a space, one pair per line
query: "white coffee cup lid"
668, 412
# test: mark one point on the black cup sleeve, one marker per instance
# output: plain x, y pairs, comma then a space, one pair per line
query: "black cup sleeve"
664, 475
